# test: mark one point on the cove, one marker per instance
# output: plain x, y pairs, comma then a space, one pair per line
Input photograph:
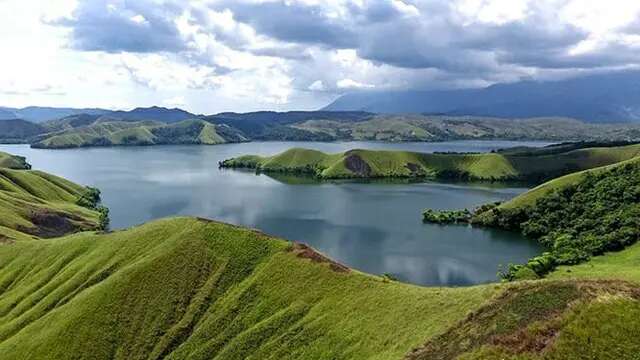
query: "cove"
373, 227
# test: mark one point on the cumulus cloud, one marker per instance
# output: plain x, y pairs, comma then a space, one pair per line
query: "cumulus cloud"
274, 51
124, 26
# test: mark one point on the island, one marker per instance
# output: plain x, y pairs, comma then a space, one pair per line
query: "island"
520, 164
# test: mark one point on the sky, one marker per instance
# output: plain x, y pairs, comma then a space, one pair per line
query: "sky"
246, 55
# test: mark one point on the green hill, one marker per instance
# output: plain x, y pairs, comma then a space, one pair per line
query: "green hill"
13, 161
36, 204
190, 288
483, 166
111, 133
576, 216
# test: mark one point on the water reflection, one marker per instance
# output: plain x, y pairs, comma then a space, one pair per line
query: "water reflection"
373, 226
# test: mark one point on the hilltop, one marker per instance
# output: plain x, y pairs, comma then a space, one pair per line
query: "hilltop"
322, 126
530, 165
194, 288
110, 133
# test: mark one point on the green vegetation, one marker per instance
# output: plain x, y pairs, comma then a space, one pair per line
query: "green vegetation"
482, 166
37, 204
443, 128
107, 133
81, 129
189, 288
446, 216
546, 320
597, 211
13, 161
184, 287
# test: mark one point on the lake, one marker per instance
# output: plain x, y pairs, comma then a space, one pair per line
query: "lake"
372, 226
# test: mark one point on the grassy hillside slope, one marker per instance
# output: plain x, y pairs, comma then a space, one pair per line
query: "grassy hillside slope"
575, 217
190, 288
485, 166
113, 133
36, 204
414, 127
13, 162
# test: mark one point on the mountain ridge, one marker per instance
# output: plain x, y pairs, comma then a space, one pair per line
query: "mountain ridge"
611, 97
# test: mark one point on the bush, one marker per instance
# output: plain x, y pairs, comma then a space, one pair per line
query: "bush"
600, 213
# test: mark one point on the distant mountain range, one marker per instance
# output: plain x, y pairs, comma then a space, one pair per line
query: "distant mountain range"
39, 114
612, 97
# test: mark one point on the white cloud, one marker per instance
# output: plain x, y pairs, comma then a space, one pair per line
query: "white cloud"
139, 19
352, 84
317, 85
211, 58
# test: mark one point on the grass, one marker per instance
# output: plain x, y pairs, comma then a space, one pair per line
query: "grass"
138, 133
485, 166
186, 287
623, 264
13, 161
34, 203
190, 288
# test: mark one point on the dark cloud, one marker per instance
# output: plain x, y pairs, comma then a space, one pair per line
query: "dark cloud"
292, 22
424, 42
132, 26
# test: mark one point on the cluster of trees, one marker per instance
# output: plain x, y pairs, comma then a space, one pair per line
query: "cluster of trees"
600, 213
446, 216
91, 200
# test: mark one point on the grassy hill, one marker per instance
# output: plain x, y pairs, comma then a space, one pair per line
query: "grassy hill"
190, 288
484, 166
111, 133
576, 217
13, 161
34, 204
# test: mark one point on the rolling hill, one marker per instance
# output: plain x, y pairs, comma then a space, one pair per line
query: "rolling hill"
19, 131
189, 288
498, 166
139, 133
610, 97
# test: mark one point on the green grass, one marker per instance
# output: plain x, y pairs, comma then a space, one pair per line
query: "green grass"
623, 264
191, 288
13, 161
40, 204
138, 133
485, 166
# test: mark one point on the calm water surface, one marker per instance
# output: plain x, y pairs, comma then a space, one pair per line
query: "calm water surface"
374, 227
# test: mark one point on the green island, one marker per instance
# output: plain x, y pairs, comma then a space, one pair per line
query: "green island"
531, 165
191, 288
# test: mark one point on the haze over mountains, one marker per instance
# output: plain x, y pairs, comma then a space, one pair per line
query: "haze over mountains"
612, 97
607, 98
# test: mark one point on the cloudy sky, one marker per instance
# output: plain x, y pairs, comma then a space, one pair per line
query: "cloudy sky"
243, 55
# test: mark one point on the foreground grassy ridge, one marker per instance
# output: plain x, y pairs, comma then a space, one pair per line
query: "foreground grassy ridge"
486, 166
189, 288
546, 320
42, 205
140, 133
13, 162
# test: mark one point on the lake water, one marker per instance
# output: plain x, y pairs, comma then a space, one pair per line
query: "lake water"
374, 226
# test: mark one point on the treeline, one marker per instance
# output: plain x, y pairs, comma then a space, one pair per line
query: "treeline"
598, 214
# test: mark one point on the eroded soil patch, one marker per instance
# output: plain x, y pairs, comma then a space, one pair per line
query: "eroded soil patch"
306, 252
